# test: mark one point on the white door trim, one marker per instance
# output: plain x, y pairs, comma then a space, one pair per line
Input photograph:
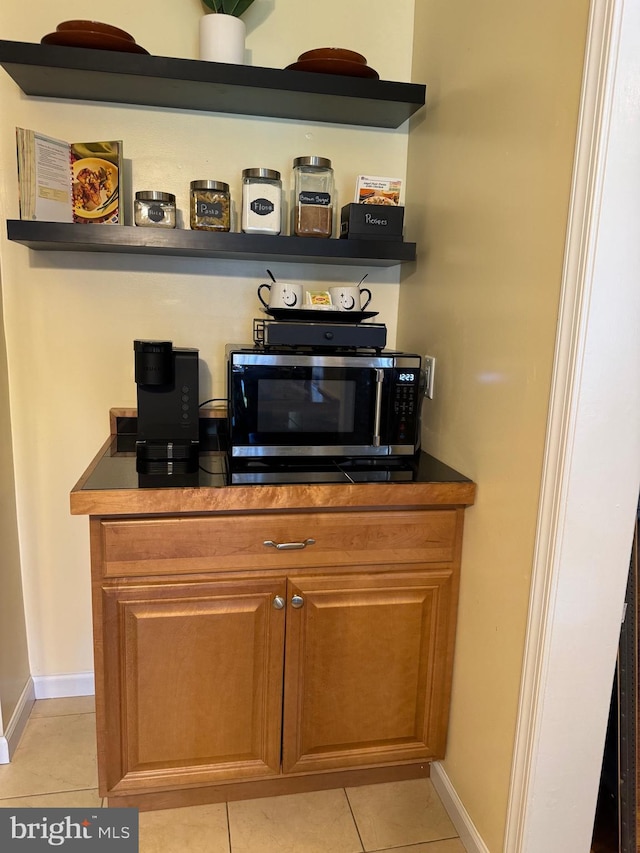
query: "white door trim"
591, 474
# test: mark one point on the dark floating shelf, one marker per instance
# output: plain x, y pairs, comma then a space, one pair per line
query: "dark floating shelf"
128, 239
127, 78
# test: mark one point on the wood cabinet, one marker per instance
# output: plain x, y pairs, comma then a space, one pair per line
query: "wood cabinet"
245, 654
366, 665
193, 683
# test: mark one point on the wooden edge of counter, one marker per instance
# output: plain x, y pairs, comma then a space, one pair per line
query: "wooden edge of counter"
114, 414
265, 498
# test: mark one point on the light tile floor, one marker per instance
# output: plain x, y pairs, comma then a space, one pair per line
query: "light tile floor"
55, 765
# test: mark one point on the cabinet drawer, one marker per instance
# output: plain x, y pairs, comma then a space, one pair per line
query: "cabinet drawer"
159, 546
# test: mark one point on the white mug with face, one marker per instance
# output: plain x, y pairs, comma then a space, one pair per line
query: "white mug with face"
282, 295
349, 297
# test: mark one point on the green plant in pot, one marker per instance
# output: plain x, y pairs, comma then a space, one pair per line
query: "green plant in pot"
222, 34
228, 7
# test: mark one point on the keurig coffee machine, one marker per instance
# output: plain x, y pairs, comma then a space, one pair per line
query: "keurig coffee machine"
167, 433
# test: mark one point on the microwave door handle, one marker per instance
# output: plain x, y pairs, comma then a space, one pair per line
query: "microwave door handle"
377, 415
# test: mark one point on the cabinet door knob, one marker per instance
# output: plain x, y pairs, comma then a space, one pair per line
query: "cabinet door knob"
297, 601
278, 602
289, 546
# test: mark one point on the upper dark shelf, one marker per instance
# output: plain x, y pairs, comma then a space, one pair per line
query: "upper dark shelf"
127, 78
127, 239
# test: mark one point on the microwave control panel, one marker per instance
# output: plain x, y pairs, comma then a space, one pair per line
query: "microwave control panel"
405, 406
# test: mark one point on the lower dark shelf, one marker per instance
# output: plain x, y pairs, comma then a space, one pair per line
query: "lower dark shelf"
126, 239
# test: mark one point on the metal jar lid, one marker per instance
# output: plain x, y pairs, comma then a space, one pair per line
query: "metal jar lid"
269, 174
154, 195
219, 186
320, 162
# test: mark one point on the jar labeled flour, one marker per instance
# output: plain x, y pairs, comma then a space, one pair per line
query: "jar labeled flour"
312, 197
261, 201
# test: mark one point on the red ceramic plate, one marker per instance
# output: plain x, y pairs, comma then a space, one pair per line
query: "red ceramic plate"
333, 53
86, 38
94, 27
334, 66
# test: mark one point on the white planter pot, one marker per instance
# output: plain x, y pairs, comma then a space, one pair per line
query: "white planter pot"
222, 38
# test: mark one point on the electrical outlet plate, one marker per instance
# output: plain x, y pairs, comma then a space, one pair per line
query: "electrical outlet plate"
429, 370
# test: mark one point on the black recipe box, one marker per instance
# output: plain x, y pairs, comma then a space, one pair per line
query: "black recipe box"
372, 222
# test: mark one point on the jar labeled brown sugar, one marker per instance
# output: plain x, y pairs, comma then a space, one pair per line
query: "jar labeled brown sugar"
312, 197
210, 208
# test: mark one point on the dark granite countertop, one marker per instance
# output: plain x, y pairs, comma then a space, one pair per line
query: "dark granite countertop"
112, 482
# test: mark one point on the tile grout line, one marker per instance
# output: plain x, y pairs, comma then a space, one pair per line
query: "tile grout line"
353, 818
414, 844
226, 805
48, 794
33, 716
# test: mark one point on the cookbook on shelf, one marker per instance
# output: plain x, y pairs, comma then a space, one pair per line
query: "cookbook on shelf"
60, 181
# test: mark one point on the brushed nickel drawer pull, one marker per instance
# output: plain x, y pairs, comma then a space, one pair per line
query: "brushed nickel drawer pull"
297, 601
278, 602
289, 546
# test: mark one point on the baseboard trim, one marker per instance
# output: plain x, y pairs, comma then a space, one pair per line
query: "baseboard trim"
61, 686
271, 786
11, 738
469, 835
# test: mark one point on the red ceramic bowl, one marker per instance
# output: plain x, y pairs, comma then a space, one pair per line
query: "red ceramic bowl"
333, 53
94, 27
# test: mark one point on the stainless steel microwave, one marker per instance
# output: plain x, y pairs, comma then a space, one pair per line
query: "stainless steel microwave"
290, 403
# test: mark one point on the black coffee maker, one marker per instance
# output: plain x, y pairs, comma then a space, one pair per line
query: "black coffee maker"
167, 433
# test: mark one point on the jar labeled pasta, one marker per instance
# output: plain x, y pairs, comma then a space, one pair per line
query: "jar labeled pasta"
154, 209
312, 197
210, 206
261, 201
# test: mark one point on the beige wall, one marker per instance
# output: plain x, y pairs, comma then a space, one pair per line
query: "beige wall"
489, 172
14, 659
71, 319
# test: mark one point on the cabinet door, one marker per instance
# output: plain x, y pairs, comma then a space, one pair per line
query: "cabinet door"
367, 672
193, 683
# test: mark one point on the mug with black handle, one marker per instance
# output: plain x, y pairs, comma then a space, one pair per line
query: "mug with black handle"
281, 295
349, 297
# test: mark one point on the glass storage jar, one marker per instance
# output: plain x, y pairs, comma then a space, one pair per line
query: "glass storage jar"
210, 206
152, 209
261, 201
312, 197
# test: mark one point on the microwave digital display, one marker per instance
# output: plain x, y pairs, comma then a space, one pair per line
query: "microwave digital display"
306, 405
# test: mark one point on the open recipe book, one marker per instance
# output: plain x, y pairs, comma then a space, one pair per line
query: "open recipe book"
68, 182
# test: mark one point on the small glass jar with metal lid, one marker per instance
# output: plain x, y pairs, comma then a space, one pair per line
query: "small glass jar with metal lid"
153, 209
312, 197
261, 201
210, 208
